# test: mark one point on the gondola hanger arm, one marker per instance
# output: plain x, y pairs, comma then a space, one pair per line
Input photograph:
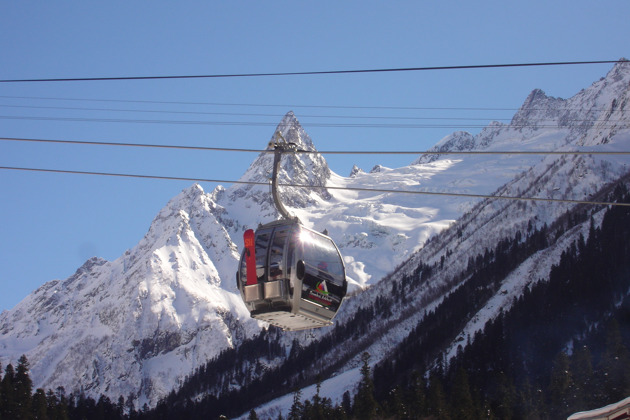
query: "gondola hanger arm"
280, 148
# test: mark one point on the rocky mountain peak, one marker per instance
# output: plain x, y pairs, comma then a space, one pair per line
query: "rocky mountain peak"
578, 114
620, 70
456, 142
377, 169
309, 169
355, 171
538, 109
292, 131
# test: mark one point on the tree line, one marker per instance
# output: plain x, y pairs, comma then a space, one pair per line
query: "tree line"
18, 401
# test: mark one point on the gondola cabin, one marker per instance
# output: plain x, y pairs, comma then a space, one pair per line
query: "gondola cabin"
291, 276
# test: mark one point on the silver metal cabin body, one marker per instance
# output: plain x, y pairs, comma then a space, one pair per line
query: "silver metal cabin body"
301, 277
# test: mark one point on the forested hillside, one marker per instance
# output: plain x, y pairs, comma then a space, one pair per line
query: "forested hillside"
562, 346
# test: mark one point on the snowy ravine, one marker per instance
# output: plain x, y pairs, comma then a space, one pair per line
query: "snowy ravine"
138, 325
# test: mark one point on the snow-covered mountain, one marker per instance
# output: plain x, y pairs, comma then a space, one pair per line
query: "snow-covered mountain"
139, 322
400, 301
138, 325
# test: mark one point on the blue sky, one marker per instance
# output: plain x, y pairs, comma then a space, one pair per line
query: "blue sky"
52, 223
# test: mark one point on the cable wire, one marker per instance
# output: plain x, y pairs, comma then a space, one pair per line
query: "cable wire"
310, 73
323, 152
609, 124
397, 108
242, 114
374, 190
289, 106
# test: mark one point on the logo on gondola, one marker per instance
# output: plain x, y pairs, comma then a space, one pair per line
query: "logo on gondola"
322, 288
320, 294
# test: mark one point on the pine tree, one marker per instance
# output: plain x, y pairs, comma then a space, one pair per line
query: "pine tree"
505, 396
130, 405
23, 389
297, 408
365, 405
307, 410
615, 365
9, 406
418, 398
120, 406
582, 368
346, 403
529, 401
436, 401
560, 386
321, 408
461, 397
40, 405
317, 410
396, 405
58, 404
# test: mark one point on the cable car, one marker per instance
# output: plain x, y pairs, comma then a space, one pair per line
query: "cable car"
289, 275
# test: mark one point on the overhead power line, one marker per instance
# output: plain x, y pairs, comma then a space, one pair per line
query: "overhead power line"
310, 73
374, 190
323, 152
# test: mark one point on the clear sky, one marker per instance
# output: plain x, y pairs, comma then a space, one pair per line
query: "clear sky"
51, 223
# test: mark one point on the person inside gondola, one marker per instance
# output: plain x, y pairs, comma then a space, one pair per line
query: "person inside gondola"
322, 271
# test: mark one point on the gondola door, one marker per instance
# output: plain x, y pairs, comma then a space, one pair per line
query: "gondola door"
321, 272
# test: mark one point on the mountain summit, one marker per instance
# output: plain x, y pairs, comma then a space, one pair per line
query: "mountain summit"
137, 326
251, 204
